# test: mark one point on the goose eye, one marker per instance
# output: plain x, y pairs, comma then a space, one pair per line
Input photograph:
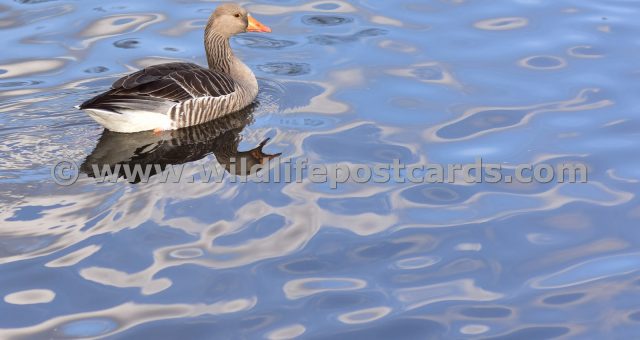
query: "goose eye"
237, 15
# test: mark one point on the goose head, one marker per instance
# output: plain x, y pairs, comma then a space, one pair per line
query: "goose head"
231, 19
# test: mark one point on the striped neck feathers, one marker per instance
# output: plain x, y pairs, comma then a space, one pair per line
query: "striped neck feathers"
221, 58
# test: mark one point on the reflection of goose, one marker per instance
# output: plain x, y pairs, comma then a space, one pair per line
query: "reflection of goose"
176, 95
220, 137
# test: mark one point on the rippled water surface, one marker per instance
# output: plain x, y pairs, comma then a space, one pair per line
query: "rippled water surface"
358, 82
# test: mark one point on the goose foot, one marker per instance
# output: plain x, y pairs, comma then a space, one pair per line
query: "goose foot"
260, 155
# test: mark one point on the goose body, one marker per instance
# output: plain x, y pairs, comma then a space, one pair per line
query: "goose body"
177, 95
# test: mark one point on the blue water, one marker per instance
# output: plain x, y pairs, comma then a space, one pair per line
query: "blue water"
358, 82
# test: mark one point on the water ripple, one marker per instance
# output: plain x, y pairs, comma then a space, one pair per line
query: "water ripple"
117, 25
122, 317
286, 68
543, 62
591, 270
484, 120
365, 316
459, 290
74, 258
326, 20
30, 297
263, 42
327, 39
502, 24
24, 68
289, 332
297, 289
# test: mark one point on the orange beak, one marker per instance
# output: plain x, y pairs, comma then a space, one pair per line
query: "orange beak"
257, 26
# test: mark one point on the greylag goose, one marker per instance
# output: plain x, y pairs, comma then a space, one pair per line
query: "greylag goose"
176, 95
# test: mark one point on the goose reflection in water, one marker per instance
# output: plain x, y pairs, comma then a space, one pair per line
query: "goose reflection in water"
220, 137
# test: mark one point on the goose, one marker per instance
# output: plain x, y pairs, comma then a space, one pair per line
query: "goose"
177, 95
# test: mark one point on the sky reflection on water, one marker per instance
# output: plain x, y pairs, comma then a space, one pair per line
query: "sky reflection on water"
356, 82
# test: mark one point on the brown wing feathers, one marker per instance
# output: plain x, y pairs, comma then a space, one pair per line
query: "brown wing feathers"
151, 74
160, 85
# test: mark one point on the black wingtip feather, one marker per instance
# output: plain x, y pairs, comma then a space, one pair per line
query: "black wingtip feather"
112, 101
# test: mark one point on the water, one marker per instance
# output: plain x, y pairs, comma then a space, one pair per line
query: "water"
357, 82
